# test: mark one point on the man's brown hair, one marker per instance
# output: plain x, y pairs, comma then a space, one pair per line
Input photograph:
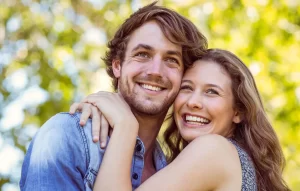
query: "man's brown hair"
175, 27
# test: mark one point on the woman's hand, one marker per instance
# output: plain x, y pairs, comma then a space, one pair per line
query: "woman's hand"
112, 106
115, 110
100, 126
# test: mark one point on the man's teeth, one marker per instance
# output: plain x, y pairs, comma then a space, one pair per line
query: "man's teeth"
149, 87
190, 118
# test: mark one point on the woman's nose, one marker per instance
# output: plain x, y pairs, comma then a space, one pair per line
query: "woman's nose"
195, 101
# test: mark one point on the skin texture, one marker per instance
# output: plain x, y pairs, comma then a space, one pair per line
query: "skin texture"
205, 93
150, 59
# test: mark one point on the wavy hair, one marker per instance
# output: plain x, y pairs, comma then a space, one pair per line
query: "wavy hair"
175, 27
255, 133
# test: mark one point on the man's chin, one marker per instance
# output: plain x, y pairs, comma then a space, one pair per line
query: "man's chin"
150, 109
146, 105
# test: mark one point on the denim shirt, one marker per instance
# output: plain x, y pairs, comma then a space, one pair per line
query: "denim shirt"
62, 156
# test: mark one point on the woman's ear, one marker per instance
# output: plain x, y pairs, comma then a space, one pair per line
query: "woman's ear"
237, 118
116, 66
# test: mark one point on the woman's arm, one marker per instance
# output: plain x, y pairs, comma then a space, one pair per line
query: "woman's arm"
114, 172
209, 162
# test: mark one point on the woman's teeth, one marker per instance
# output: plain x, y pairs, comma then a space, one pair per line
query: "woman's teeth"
196, 120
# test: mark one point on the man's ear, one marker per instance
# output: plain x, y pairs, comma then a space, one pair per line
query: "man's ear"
116, 66
237, 118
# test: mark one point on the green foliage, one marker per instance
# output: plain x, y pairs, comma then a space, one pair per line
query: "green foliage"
51, 51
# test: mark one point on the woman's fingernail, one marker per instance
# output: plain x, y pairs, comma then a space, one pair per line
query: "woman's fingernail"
95, 138
102, 144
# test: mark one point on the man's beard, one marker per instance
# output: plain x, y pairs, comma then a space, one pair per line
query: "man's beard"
139, 105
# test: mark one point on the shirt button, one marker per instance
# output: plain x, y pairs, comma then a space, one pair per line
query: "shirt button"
138, 148
135, 176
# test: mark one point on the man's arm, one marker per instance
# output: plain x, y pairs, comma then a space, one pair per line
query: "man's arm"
57, 158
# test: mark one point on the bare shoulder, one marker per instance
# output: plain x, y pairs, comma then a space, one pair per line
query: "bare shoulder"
209, 162
212, 144
215, 152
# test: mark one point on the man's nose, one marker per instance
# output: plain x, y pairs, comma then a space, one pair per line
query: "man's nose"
155, 67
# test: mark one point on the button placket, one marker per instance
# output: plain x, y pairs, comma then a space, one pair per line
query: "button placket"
138, 161
135, 176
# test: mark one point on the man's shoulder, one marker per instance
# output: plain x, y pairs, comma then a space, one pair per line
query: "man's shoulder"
61, 138
59, 131
62, 118
62, 123
63, 131
61, 147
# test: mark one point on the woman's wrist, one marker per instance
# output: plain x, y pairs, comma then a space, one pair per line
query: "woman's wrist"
129, 122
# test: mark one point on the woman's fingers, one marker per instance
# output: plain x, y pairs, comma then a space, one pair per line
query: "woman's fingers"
90, 111
74, 107
96, 122
103, 132
86, 112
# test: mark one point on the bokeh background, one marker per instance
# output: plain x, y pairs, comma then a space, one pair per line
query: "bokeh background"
50, 56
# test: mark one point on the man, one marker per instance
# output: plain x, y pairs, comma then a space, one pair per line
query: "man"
146, 60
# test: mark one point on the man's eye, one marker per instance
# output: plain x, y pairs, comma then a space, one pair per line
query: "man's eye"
212, 91
172, 60
142, 55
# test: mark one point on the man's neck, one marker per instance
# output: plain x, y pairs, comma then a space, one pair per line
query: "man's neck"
149, 127
148, 130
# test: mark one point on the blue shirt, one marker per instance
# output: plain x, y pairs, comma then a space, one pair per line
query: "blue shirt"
62, 156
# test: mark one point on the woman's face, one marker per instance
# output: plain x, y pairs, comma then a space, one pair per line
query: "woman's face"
204, 104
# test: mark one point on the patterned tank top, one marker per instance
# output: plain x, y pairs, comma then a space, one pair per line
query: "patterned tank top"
248, 170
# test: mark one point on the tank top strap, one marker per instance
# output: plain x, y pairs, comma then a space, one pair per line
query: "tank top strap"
248, 170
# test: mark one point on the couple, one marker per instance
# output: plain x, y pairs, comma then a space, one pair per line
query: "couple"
219, 137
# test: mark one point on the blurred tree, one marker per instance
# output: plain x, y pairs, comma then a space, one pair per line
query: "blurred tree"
50, 56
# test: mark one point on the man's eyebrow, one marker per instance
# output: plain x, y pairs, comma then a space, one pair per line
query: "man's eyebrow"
147, 47
142, 46
173, 52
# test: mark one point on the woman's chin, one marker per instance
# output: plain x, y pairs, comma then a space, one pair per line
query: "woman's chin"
190, 136
189, 133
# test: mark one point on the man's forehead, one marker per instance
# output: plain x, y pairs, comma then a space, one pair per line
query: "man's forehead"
150, 34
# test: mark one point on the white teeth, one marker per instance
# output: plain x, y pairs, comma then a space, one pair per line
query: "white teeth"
196, 119
149, 87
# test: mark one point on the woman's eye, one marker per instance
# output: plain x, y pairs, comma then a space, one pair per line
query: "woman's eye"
212, 91
185, 87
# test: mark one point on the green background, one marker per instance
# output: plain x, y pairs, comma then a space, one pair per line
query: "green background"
50, 56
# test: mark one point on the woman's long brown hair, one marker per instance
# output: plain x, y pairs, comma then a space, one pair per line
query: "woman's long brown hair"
255, 133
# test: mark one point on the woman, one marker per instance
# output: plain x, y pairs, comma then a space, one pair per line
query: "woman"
219, 137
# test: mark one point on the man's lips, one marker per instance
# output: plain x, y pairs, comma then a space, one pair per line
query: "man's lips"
152, 87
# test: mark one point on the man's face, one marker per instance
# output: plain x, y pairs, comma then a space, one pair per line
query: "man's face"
150, 75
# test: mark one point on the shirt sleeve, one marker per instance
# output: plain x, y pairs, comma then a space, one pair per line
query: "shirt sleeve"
57, 158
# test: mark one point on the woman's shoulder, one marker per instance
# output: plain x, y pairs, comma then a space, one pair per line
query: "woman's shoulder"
214, 150
225, 156
204, 164
215, 144
214, 159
